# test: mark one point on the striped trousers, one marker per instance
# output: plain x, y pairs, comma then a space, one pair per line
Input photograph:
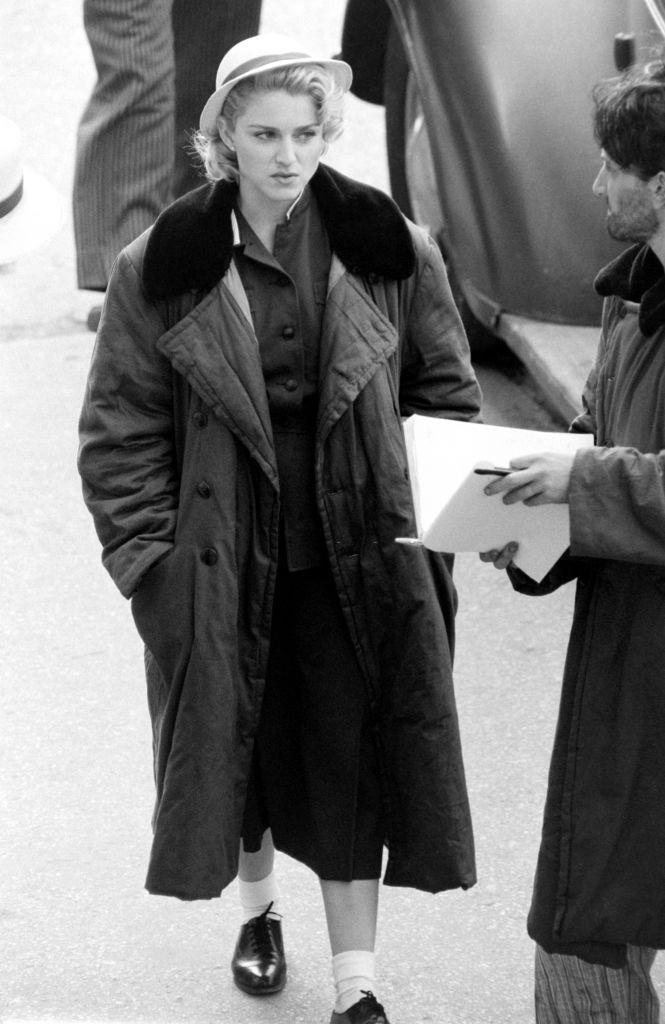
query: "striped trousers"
572, 991
156, 62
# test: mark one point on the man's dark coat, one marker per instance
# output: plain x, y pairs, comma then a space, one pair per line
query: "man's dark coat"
600, 881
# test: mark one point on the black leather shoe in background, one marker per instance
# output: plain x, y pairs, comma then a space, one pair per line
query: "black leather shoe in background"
259, 965
366, 1011
94, 316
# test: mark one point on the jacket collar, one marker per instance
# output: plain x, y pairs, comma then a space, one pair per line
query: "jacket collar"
191, 243
637, 276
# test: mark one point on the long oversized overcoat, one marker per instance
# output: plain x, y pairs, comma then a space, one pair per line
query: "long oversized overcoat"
600, 879
179, 472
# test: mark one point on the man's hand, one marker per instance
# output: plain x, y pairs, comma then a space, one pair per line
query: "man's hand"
541, 479
501, 559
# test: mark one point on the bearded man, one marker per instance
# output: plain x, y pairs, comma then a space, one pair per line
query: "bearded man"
598, 907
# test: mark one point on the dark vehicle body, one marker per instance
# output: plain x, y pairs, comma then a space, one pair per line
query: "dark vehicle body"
490, 146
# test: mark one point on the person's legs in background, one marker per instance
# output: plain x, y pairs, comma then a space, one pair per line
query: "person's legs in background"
124, 147
569, 990
156, 62
203, 30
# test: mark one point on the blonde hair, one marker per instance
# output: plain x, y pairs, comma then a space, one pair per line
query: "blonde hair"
220, 161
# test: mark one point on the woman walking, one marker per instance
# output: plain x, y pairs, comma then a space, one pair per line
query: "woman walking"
243, 458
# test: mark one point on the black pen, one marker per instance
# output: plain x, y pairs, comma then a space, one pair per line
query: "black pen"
496, 471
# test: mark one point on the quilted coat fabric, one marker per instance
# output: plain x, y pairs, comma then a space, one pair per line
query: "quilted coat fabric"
179, 472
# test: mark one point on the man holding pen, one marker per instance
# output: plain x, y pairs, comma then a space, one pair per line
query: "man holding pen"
598, 906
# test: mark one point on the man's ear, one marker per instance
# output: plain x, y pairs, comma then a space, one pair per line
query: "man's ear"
658, 188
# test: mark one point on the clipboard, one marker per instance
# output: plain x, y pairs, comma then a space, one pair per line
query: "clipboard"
452, 511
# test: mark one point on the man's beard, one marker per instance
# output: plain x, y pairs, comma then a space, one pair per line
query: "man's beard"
634, 221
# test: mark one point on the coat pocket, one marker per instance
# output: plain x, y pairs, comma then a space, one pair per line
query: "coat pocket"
162, 607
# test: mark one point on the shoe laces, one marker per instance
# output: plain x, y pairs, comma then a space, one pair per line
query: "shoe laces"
260, 935
370, 1002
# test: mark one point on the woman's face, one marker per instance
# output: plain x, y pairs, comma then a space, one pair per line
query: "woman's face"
278, 144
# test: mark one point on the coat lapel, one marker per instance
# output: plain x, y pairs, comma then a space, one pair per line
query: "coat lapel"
356, 339
190, 248
214, 347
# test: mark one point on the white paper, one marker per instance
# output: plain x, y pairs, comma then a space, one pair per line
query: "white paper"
452, 511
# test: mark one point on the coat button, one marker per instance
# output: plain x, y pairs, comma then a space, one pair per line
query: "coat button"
200, 419
291, 384
288, 333
203, 489
209, 556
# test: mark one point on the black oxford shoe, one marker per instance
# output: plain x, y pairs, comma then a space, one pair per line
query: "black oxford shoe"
366, 1011
259, 965
94, 316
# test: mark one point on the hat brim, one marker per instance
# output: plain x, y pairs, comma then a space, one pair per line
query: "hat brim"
339, 69
37, 217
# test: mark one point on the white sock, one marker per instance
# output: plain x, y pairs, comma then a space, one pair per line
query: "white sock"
353, 974
256, 897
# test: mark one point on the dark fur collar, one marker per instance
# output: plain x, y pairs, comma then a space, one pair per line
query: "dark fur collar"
190, 245
637, 276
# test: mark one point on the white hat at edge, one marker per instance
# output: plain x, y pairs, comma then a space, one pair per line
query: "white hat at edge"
31, 210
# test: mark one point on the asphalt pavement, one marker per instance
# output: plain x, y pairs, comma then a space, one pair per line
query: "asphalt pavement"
79, 938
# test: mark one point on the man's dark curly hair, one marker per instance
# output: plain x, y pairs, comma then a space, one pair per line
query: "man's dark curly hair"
629, 118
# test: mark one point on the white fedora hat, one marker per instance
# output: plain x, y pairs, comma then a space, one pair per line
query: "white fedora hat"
263, 53
30, 208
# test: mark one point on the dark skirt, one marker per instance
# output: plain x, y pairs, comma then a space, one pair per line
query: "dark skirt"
315, 775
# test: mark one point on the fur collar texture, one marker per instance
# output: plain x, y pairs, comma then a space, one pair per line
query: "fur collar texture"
637, 276
191, 243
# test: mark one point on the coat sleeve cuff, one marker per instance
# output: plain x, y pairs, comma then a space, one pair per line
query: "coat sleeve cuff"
617, 505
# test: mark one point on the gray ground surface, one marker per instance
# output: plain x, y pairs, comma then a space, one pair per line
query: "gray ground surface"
79, 939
